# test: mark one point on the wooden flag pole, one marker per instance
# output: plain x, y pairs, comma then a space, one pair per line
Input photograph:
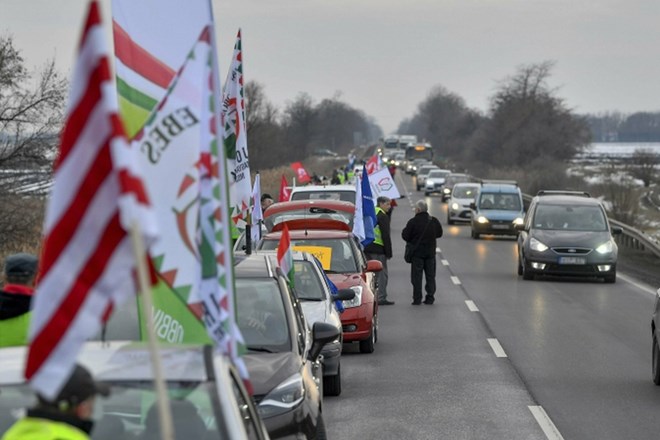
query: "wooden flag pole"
162, 399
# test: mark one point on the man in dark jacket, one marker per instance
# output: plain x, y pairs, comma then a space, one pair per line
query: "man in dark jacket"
15, 297
381, 248
421, 232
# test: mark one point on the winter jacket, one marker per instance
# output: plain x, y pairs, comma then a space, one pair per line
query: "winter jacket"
414, 230
384, 225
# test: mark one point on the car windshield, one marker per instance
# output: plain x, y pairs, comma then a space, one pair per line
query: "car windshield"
500, 201
346, 196
570, 218
307, 213
336, 255
464, 192
437, 173
425, 170
130, 410
261, 316
307, 282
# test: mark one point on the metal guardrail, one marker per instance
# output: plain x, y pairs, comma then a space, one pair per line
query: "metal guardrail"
631, 238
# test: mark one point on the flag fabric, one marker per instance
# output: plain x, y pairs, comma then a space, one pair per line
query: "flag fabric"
358, 222
373, 164
301, 175
368, 210
285, 191
257, 215
284, 255
235, 139
383, 184
87, 261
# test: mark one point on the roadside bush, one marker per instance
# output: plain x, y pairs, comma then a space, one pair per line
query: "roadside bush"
21, 224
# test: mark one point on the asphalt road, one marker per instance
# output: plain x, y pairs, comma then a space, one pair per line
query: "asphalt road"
497, 357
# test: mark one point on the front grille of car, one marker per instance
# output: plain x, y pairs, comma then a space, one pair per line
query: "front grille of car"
579, 269
572, 250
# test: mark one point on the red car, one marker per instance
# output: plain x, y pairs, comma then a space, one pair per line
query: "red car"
344, 261
309, 209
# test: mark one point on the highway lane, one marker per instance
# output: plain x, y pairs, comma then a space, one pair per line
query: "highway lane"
579, 350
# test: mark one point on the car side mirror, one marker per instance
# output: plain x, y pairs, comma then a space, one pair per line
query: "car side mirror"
374, 266
344, 295
322, 333
616, 230
473, 206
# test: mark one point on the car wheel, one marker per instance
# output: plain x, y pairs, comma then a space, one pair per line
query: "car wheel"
426, 193
475, 235
520, 268
526, 273
610, 279
369, 344
332, 384
656, 361
320, 428
376, 328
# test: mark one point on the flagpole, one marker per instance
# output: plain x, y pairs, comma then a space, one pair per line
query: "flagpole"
162, 399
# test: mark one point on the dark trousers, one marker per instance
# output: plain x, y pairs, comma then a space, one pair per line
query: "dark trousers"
418, 268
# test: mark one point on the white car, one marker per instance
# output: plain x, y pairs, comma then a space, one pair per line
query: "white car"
324, 192
207, 396
434, 181
458, 207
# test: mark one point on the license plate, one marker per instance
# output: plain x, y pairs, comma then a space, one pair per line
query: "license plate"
572, 260
500, 226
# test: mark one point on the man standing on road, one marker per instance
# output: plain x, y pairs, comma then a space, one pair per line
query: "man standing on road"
15, 298
421, 233
67, 417
381, 248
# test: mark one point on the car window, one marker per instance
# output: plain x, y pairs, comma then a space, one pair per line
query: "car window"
341, 257
570, 217
500, 201
346, 196
307, 282
314, 212
464, 192
261, 316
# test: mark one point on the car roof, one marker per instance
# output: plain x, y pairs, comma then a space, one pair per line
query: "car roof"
566, 199
337, 205
117, 361
316, 188
500, 187
469, 184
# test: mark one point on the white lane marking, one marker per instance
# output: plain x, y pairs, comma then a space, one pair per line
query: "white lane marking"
643, 287
471, 305
549, 428
444, 262
497, 348
438, 251
455, 280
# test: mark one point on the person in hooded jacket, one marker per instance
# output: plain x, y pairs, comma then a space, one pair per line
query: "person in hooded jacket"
15, 297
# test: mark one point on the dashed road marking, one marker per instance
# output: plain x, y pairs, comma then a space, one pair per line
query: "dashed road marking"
497, 348
455, 280
548, 428
444, 262
471, 305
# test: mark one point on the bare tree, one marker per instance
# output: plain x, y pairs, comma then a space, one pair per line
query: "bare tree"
642, 165
31, 108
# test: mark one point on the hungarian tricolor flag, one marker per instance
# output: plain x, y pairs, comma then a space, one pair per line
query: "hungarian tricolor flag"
301, 174
284, 255
285, 191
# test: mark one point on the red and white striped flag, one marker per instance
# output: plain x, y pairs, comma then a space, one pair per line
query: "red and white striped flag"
284, 255
87, 262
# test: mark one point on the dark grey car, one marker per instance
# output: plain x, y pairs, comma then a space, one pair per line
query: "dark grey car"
566, 233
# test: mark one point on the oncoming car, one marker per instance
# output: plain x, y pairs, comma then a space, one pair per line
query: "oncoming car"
567, 233
435, 181
497, 208
458, 207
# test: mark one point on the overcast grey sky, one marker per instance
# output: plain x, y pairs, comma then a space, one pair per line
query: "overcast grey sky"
384, 56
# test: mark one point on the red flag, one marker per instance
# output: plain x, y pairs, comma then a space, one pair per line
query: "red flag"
87, 260
372, 164
285, 191
301, 174
284, 255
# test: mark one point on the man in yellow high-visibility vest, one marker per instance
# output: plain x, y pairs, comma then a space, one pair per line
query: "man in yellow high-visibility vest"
381, 248
15, 297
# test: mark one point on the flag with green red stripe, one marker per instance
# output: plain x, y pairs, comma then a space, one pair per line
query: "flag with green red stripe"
285, 255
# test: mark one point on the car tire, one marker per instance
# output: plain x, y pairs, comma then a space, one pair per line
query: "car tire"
610, 279
332, 384
520, 268
655, 363
321, 434
369, 345
526, 273
426, 193
475, 235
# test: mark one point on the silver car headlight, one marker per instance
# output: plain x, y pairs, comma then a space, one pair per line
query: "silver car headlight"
481, 219
357, 299
455, 206
536, 245
283, 398
605, 248
518, 221
446, 191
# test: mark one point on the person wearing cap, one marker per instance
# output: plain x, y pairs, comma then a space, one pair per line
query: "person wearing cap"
67, 417
266, 201
15, 297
